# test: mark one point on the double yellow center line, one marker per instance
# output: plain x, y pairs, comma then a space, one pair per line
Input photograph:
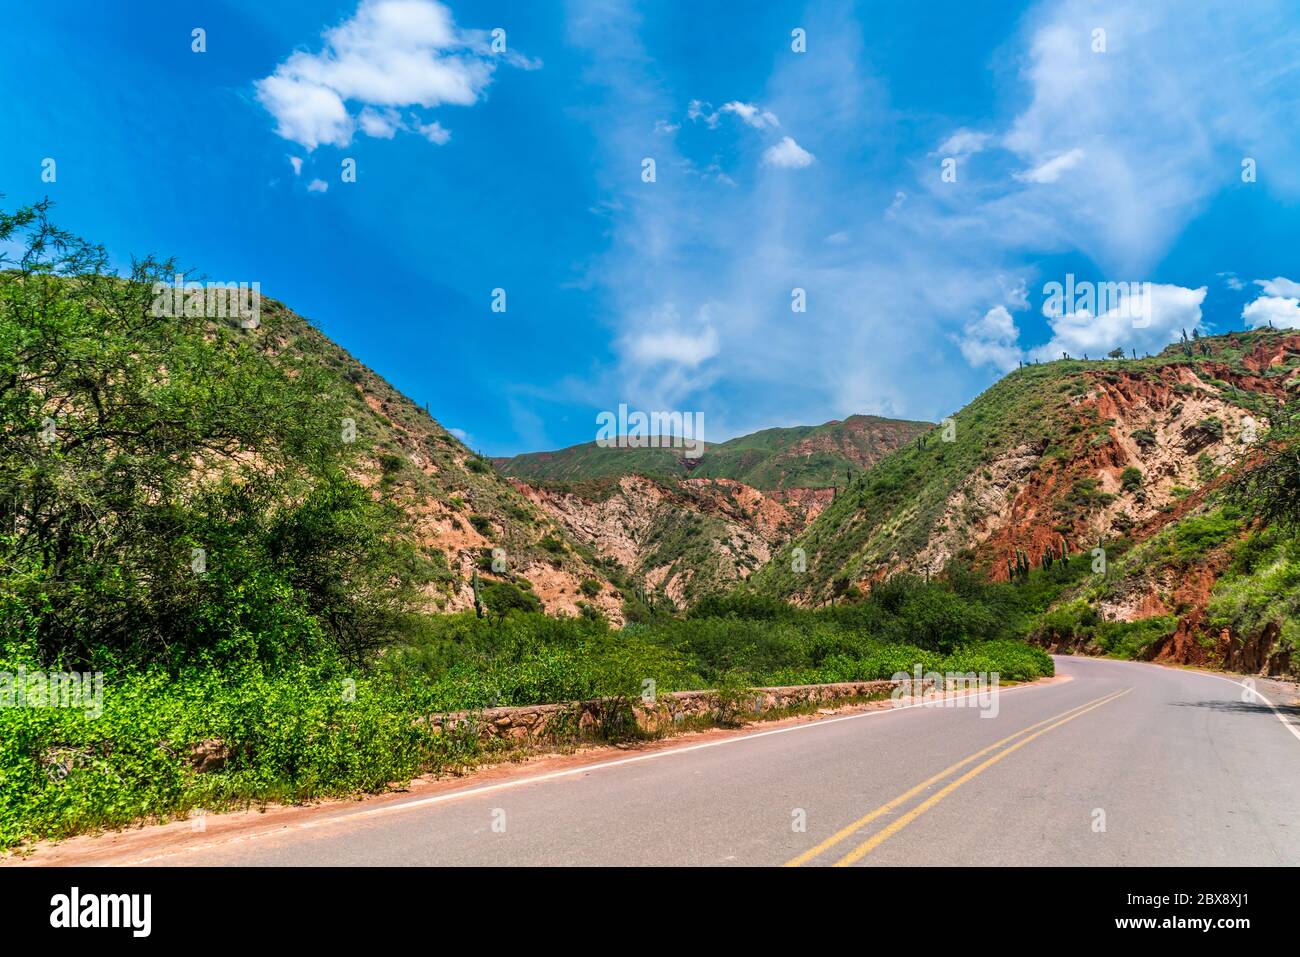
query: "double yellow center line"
1025, 735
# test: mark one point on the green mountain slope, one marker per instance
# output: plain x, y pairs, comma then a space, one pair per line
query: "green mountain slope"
1067, 451
457, 507
820, 456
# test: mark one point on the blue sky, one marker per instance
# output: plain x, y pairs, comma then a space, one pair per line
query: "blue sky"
1114, 156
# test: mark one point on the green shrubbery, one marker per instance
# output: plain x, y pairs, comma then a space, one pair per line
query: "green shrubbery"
299, 734
1077, 624
307, 731
1261, 589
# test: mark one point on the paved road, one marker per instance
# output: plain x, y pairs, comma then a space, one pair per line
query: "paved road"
1124, 764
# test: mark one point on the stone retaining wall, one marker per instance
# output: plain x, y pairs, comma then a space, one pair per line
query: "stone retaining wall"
608, 716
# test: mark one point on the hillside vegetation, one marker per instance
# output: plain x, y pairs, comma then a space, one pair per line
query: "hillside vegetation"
1151, 464
813, 456
1068, 450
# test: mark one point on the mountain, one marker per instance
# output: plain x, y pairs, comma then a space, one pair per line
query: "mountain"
806, 456
1129, 456
683, 528
679, 540
454, 504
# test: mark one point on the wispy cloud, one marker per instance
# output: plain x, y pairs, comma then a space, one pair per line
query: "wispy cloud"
909, 282
1049, 171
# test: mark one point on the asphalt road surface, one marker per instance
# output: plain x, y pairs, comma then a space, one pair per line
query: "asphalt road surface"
1124, 764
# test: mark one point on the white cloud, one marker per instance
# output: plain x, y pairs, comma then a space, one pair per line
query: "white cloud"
434, 132
964, 143
1128, 324
666, 128
318, 186
788, 155
1050, 170
296, 163
306, 113
1277, 311
380, 125
1279, 306
1164, 117
752, 115
992, 340
698, 110
1017, 294
1279, 286
390, 54
672, 345
1159, 143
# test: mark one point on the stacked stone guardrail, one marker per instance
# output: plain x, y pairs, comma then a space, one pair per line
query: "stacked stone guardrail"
578, 719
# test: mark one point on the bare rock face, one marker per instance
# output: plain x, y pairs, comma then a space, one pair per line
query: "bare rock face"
680, 540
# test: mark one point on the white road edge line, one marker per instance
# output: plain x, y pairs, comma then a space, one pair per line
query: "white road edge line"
1250, 689
1277, 713
549, 776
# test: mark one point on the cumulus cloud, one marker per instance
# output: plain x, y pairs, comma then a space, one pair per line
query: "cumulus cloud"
787, 154
1278, 307
1146, 322
1279, 312
992, 341
391, 54
296, 163
318, 186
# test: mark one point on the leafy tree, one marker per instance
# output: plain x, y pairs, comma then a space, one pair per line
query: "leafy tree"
170, 485
501, 598
1268, 487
